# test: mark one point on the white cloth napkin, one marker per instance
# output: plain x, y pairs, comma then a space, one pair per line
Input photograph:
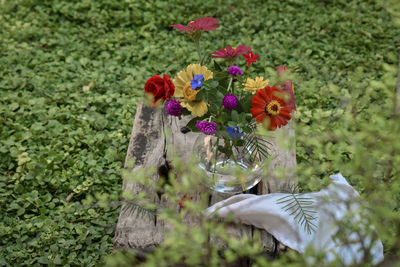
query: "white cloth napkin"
330, 204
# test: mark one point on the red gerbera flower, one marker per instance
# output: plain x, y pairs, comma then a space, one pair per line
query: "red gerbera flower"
268, 106
287, 85
203, 24
250, 58
230, 53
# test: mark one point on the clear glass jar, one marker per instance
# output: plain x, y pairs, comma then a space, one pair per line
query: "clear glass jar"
229, 169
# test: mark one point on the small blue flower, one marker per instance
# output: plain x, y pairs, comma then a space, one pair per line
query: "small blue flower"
197, 81
234, 132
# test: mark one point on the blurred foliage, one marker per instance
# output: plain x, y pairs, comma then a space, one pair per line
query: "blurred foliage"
72, 73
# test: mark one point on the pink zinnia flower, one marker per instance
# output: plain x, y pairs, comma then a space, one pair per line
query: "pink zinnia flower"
230, 52
203, 24
281, 70
287, 86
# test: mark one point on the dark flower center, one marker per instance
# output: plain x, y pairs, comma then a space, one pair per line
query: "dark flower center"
273, 108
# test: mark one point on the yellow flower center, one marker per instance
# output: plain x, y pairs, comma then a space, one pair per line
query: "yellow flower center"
273, 108
188, 93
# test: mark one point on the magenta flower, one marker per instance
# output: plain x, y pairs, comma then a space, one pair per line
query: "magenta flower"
208, 128
174, 108
287, 86
230, 52
230, 102
203, 24
281, 70
235, 70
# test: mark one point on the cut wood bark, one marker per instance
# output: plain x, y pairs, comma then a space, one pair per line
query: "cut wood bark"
150, 147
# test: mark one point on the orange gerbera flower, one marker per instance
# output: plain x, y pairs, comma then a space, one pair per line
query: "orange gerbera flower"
269, 107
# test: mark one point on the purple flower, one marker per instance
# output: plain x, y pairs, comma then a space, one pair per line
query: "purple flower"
174, 108
207, 127
230, 102
235, 70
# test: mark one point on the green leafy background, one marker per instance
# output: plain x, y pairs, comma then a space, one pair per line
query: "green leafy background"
72, 73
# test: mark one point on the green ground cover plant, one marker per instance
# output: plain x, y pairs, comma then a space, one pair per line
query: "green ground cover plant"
72, 72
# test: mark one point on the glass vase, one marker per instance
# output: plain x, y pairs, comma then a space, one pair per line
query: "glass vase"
229, 169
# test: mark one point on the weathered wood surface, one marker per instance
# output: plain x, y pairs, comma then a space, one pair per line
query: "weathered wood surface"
150, 147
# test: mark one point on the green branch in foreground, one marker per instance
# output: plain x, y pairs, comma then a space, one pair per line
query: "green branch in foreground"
302, 210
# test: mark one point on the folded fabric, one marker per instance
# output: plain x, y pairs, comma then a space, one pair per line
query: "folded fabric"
329, 207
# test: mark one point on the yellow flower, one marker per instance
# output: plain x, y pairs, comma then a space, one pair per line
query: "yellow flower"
183, 89
188, 93
197, 108
187, 75
254, 85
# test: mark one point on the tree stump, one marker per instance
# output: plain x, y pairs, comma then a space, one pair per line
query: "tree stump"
149, 147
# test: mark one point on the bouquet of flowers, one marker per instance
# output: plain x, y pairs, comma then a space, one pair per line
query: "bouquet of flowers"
227, 102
